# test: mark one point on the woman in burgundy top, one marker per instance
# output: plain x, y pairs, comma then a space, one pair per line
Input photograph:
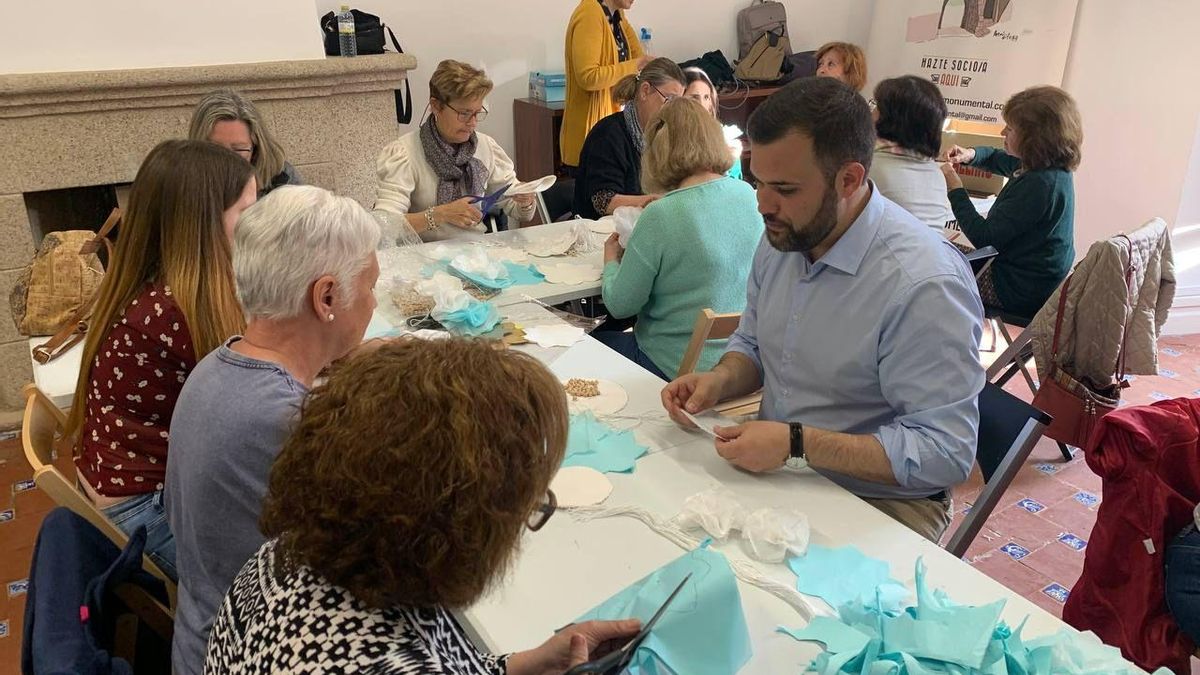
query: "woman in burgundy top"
167, 299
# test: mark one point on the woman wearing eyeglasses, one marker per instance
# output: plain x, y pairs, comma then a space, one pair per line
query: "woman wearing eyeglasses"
429, 177
229, 119
375, 537
609, 173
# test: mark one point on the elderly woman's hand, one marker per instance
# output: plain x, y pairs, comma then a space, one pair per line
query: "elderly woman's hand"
959, 155
953, 181
459, 213
571, 646
613, 251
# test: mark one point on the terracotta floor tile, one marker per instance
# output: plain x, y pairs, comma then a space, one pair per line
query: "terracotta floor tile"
1072, 517
1030, 530
1046, 602
1048, 489
1011, 573
1081, 476
1056, 561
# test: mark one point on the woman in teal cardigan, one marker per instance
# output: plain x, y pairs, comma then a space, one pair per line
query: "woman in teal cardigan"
1032, 223
691, 249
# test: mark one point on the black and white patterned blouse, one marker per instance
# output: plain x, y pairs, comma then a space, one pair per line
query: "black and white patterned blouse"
300, 623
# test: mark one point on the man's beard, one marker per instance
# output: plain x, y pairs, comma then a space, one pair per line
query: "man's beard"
807, 237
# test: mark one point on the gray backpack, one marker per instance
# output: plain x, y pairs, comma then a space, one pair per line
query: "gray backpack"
761, 17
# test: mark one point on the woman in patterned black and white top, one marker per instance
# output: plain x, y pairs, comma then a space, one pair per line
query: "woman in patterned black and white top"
383, 522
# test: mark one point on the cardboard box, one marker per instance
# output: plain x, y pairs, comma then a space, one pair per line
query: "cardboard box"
969, 135
548, 87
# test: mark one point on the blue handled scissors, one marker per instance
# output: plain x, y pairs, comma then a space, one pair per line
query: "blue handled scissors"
486, 202
618, 660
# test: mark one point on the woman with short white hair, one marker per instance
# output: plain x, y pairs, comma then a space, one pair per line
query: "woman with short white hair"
305, 265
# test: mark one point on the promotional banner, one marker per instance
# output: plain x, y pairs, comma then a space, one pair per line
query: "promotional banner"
978, 52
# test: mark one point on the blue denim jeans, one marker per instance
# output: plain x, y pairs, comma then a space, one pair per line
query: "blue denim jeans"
1183, 581
626, 345
148, 510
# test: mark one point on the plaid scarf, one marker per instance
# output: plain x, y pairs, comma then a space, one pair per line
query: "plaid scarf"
460, 174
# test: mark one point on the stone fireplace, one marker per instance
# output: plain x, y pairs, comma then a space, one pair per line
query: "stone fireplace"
89, 129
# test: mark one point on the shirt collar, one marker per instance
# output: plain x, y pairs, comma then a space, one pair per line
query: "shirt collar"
614, 17
848, 252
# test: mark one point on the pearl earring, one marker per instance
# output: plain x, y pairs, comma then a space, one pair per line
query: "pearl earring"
330, 318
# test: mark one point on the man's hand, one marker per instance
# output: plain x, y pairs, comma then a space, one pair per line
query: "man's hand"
755, 446
695, 392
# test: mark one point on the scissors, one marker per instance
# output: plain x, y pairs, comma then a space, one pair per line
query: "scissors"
618, 660
486, 202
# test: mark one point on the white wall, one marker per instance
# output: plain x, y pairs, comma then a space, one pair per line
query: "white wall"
76, 35
1132, 69
509, 39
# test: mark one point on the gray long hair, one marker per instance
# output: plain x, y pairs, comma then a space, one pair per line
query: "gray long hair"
224, 105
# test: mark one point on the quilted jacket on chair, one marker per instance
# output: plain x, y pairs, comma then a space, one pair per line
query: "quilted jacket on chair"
1095, 311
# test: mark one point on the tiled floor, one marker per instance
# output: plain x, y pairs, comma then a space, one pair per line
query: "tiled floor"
1033, 543
1034, 540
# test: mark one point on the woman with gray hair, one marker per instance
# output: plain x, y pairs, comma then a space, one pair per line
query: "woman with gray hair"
227, 118
304, 261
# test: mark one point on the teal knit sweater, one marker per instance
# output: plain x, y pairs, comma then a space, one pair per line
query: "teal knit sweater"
691, 250
1032, 226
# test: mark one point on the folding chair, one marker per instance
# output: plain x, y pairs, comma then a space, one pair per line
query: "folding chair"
712, 326
43, 425
1008, 430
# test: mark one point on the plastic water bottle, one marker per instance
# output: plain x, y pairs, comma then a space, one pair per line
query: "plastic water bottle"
347, 43
644, 38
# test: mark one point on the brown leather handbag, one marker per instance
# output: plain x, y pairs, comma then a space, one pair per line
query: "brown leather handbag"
57, 291
1074, 405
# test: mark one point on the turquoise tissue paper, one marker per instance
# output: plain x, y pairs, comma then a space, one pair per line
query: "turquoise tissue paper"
703, 631
523, 275
938, 635
476, 319
845, 575
595, 444
518, 275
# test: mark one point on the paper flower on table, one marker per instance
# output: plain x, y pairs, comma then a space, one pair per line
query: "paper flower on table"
569, 273
605, 225
626, 218
508, 254
477, 267
702, 632
455, 309
593, 443
586, 241
773, 533
546, 247
532, 187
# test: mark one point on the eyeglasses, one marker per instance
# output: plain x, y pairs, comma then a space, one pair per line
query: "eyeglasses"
666, 99
542, 513
479, 115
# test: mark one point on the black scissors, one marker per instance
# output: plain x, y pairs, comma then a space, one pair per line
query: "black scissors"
618, 660
486, 202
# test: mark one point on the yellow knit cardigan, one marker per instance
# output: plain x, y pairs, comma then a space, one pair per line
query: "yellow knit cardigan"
592, 71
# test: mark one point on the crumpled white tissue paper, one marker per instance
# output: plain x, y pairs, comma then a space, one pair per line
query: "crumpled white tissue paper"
447, 293
480, 264
772, 534
716, 511
626, 218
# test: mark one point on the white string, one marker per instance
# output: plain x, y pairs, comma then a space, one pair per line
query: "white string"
743, 569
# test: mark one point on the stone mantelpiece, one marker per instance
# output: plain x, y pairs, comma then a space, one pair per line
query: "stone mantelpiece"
60, 130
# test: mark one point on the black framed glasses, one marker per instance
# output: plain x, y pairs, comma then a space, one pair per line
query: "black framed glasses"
537, 519
479, 115
666, 99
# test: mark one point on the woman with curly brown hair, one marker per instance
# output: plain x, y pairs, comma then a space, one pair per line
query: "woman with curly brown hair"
1032, 223
396, 499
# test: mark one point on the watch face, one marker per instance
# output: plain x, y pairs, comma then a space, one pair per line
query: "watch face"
796, 463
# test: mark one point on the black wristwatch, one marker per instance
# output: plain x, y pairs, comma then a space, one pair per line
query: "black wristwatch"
796, 458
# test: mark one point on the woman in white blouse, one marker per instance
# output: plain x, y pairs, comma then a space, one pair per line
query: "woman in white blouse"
428, 177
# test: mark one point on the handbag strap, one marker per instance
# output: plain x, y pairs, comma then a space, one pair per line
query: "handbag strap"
73, 331
1062, 304
1119, 368
403, 102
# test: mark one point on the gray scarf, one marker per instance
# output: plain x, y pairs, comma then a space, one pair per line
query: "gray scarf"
635, 129
460, 174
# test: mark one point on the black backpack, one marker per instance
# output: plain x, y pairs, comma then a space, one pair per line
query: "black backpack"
368, 33
716, 66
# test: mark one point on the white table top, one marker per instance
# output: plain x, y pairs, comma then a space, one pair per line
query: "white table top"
570, 566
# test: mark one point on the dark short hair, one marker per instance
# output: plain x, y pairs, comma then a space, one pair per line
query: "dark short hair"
413, 470
911, 114
826, 109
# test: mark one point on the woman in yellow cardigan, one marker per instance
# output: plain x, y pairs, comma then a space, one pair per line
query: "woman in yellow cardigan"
601, 49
